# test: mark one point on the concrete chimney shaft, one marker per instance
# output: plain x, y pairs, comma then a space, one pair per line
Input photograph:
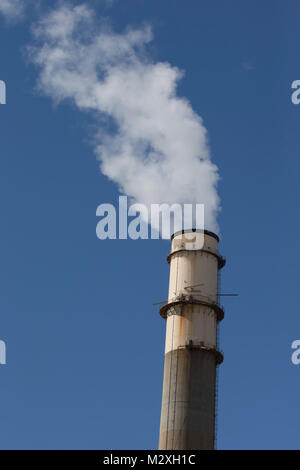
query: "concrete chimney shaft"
191, 350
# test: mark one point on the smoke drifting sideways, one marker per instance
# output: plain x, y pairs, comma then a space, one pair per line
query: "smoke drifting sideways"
11, 9
155, 146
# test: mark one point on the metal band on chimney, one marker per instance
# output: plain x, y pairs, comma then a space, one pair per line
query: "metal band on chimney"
201, 347
164, 310
221, 259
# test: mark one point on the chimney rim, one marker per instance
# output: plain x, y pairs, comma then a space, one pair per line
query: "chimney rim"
198, 230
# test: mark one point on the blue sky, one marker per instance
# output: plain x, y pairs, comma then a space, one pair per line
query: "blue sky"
84, 342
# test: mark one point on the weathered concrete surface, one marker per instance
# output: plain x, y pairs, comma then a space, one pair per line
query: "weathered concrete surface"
188, 403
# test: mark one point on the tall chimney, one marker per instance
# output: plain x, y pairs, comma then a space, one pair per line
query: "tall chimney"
191, 351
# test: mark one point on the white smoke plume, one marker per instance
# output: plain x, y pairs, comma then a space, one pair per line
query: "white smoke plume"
156, 146
11, 9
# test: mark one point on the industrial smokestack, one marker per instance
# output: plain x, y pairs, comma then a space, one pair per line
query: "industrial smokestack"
191, 351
